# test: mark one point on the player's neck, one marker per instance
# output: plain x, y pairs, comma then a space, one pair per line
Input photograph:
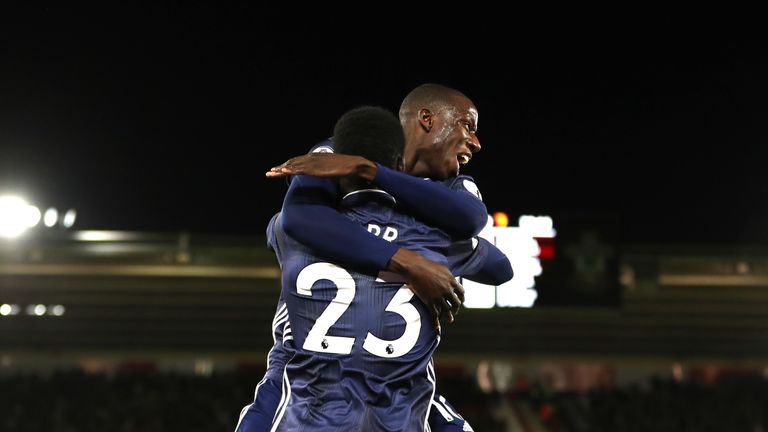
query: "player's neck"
352, 184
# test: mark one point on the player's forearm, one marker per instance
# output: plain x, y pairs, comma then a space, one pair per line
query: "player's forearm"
480, 261
402, 261
495, 269
310, 218
458, 213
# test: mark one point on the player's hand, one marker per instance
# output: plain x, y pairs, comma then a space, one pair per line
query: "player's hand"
326, 165
432, 283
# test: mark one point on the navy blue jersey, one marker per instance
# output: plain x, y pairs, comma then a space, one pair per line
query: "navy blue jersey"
282, 340
363, 345
465, 258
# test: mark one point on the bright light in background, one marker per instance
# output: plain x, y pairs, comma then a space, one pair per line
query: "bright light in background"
16, 216
521, 246
50, 217
540, 228
32, 216
9, 309
33, 309
537, 226
103, 236
69, 218
500, 219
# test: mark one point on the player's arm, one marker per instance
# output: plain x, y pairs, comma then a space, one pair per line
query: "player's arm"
476, 259
309, 216
456, 212
258, 415
483, 263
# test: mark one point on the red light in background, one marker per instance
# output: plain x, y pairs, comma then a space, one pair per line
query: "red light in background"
546, 247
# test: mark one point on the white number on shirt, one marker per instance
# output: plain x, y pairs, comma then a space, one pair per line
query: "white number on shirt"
318, 339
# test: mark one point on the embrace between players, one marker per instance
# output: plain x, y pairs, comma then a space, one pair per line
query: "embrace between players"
368, 270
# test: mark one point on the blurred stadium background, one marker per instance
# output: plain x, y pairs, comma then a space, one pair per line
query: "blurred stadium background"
140, 331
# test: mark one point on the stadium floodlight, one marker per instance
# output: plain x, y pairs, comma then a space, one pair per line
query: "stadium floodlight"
9, 309
50, 217
16, 216
69, 218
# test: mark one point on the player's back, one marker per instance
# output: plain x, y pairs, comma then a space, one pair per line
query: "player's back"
363, 345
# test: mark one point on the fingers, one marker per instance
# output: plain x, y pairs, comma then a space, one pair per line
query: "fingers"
451, 302
440, 312
316, 164
434, 311
454, 304
279, 171
287, 168
446, 309
447, 313
459, 291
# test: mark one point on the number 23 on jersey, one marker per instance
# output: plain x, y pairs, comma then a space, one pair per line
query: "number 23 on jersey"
318, 339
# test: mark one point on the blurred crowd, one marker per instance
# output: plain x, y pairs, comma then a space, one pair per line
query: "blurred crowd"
155, 401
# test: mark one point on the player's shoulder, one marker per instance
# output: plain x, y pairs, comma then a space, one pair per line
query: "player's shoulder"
465, 183
325, 146
275, 233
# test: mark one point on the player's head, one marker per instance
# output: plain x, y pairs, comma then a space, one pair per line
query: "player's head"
440, 125
371, 132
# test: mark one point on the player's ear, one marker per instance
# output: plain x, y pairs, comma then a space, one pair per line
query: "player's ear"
425, 119
400, 165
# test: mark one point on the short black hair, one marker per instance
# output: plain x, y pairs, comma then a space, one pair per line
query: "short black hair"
371, 132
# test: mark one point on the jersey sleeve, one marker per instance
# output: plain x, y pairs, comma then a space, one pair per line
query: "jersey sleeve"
456, 210
309, 216
478, 260
272, 232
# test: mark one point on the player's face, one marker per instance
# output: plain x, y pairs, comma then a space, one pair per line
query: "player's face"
455, 139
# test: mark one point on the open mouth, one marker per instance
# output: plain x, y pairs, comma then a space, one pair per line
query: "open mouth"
464, 158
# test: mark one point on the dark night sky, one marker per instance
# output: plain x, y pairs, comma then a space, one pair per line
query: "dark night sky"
166, 118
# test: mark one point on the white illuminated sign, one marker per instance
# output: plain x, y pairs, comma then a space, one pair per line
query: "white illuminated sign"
522, 249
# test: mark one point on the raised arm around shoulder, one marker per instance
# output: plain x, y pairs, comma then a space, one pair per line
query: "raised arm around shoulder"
310, 217
458, 213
